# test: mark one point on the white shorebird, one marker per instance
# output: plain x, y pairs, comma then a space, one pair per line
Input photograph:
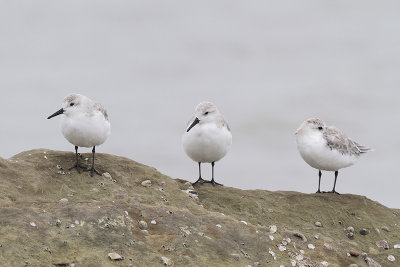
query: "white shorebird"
326, 148
207, 137
84, 124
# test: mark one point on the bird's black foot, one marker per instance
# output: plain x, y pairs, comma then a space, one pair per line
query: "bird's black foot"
214, 183
92, 171
77, 167
200, 181
318, 192
333, 192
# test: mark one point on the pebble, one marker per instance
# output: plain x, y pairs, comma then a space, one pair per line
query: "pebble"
272, 253
126, 213
186, 231
192, 194
281, 248
293, 262
386, 229
354, 253
115, 256
244, 222
318, 224
58, 222
257, 264
372, 263
153, 222
287, 239
364, 255
327, 246
143, 225
63, 200
219, 226
396, 246
364, 231
350, 229
350, 235
311, 246
32, 224
145, 233
353, 265
299, 257
271, 237
324, 263
273, 229
146, 183
391, 258
187, 185
247, 256
316, 236
167, 262
300, 235
236, 257
382, 244
107, 175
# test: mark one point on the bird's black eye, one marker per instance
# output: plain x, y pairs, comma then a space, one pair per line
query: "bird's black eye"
320, 128
206, 113
72, 104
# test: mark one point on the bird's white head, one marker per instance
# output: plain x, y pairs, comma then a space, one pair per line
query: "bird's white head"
72, 104
205, 112
310, 126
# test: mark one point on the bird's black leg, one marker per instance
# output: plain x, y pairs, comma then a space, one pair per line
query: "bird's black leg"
334, 185
76, 166
212, 179
319, 183
200, 180
93, 170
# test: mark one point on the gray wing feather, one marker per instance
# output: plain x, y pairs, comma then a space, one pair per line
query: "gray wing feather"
339, 141
101, 109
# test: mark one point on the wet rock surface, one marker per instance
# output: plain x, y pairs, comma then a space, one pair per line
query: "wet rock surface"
149, 219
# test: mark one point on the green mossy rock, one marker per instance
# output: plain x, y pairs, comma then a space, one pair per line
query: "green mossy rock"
53, 217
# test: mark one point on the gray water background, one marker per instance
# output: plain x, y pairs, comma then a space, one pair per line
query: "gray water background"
267, 65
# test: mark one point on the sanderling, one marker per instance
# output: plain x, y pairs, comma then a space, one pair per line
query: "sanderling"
326, 148
84, 124
207, 137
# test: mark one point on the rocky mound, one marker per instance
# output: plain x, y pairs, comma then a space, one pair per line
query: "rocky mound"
135, 216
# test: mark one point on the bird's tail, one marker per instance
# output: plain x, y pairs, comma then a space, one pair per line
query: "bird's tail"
364, 149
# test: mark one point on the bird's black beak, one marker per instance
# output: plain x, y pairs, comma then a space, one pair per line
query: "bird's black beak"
196, 121
61, 111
